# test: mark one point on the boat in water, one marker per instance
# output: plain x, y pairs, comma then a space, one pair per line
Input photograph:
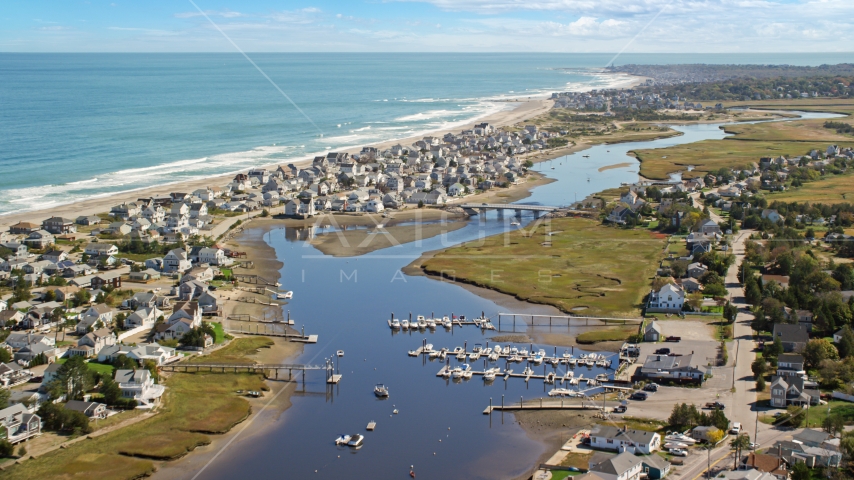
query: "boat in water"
489, 375
381, 391
394, 323
342, 439
285, 296
404, 323
356, 440
340, 353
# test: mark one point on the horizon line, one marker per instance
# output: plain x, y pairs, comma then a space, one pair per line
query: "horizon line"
432, 52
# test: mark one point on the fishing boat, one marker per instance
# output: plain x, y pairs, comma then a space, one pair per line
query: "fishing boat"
340, 353
285, 296
356, 440
342, 439
404, 323
381, 391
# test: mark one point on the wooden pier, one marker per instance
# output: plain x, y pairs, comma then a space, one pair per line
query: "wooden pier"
329, 368
569, 319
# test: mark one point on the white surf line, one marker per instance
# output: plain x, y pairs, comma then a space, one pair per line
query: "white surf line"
256, 66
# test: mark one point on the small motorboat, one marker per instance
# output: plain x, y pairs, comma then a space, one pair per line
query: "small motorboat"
457, 372
537, 359
493, 357
489, 326
342, 439
602, 377
285, 296
550, 378
446, 322
431, 322
404, 323
428, 348
477, 348
381, 391
413, 353
586, 156
422, 322
395, 323
461, 356
489, 375
356, 440
340, 353
515, 224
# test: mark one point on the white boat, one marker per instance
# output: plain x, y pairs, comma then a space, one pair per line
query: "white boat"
435, 353
567, 355
428, 348
474, 356
476, 348
508, 350
446, 322
381, 390
489, 375
340, 353
404, 323
395, 323
457, 372
523, 353
431, 322
461, 356
467, 374
601, 363
537, 359
670, 445
413, 353
493, 357
516, 224
602, 377
356, 440
285, 296
528, 371
489, 326
550, 378
514, 358
572, 361
342, 439
457, 350
486, 351
422, 322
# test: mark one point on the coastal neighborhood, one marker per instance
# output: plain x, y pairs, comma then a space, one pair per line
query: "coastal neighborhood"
733, 361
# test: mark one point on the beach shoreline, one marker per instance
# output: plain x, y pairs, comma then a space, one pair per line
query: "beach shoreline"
524, 107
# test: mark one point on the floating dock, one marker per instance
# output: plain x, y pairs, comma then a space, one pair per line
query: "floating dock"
371, 426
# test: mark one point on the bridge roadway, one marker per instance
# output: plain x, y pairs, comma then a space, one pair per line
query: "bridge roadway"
509, 206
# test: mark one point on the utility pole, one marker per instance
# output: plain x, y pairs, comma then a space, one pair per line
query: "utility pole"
756, 433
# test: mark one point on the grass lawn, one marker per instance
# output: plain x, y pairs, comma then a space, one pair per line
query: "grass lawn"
606, 335
98, 368
219, 332
829, 190
637, 423
577, 460
818, 413
235, 353
588, 269
792, 131
182, 425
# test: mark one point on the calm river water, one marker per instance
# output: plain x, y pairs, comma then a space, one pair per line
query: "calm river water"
440, 427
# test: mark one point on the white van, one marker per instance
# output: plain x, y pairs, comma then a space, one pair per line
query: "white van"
735, 429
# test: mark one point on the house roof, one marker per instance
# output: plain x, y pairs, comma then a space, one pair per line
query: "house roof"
791, 333
132, 376
667, 362
764, 462
811, 436
638, 436
790, 358
655, 461
614, 464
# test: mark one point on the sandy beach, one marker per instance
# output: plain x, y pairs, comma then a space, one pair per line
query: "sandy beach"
520, 111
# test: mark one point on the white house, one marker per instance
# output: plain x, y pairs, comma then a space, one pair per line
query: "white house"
624, 466
605, 437
139, 385
150, 351
101, 249
668, 299
214, 256
176, 261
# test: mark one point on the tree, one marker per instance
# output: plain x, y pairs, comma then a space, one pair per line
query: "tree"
22, 451
56, 417
110, 390
760, 384
846, 344
716, 436
683, 416
6, 449
833, 424
795, 416
4, 398
81, 297
775, 349
819, 349
739, 443
73, 379
759, 367
5, 356
800, 471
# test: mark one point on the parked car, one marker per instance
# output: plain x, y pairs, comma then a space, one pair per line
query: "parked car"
620, 409
639, 396
680, 452
753, 446
651, 387
662, 351
715, 405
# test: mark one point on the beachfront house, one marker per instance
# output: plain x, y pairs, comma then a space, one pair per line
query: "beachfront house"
139, 385
624, 466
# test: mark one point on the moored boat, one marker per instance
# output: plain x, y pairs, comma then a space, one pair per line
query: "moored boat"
381, 391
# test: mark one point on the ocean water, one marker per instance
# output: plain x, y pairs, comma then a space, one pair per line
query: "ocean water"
79, 126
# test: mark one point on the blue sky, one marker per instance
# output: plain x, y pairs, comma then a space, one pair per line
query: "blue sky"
430, 25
